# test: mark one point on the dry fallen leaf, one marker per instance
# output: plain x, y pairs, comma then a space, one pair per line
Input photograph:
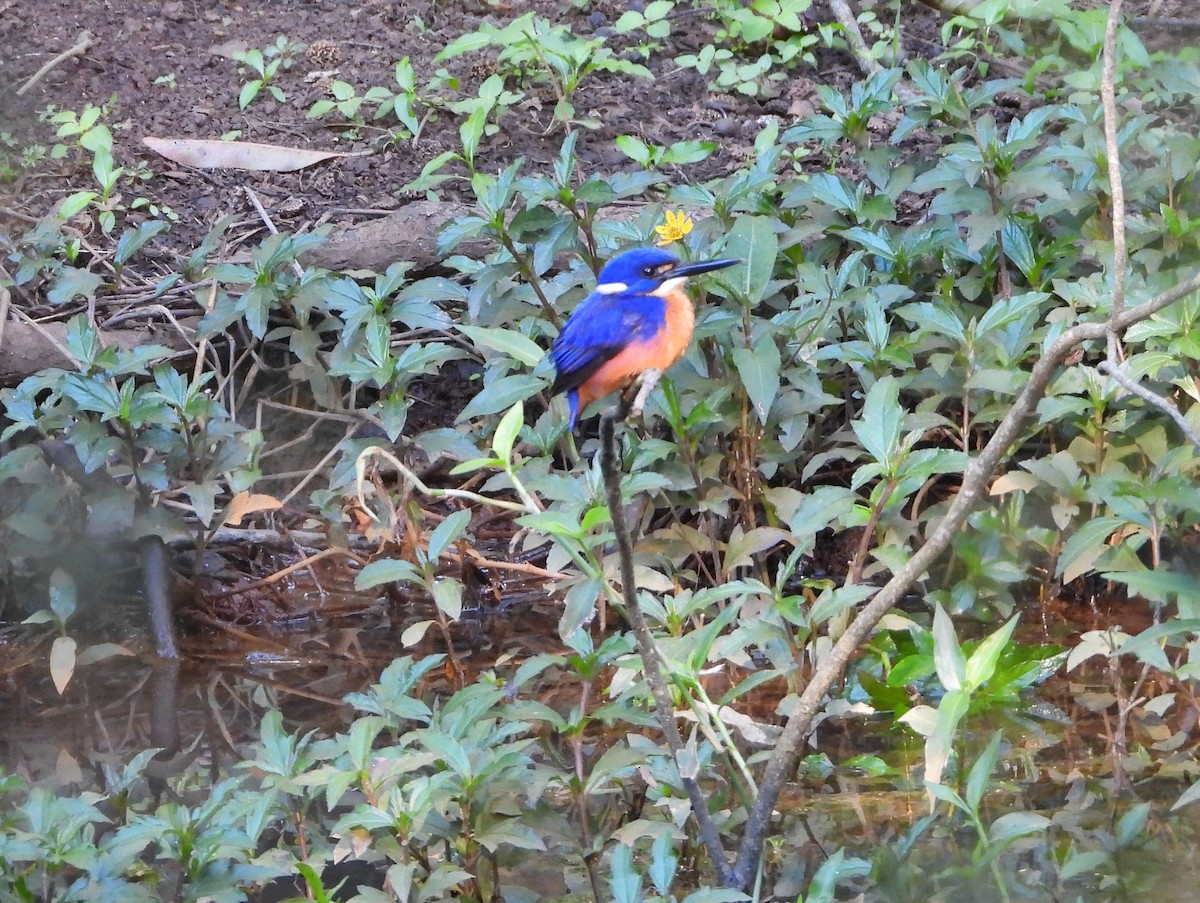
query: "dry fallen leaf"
247, 503
212, 154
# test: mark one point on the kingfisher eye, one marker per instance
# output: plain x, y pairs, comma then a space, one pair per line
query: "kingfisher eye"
649, 272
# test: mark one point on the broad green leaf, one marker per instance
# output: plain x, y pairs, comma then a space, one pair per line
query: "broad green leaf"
507, 341
981, 771
448, 532
579, 605
753, 240
472, 40
683, 152
624, 880
414, 633
823, 887
833, 602
1017, 824
882, 419
389, 570
71, 282
501, 394
132, 240
1158, 585
759, 371
663, 861
447, 595
1085, 545
62, 595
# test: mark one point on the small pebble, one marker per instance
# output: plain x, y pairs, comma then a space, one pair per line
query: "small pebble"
725, 127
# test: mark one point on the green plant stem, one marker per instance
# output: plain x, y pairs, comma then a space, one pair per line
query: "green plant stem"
526, 270
787, 751
611, 470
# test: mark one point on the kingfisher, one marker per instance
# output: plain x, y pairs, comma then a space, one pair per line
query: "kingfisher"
638, 318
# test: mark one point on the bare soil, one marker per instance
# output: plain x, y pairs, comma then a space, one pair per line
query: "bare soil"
155, 69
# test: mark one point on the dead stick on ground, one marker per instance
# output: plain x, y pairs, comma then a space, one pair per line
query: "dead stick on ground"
83, 43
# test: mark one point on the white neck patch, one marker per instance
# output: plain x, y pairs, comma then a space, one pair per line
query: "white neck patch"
612, 288
669, 286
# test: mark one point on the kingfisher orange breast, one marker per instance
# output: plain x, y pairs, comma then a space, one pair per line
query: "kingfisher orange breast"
658, 352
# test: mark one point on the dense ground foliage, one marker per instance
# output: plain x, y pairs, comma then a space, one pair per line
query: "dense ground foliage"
909, 251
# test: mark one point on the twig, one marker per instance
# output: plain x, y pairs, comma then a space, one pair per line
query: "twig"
360, 467
1111, 366
266, 218
83, 43
521, 567
1153, 398
611, 470
279, 575
45, 334
1112, 157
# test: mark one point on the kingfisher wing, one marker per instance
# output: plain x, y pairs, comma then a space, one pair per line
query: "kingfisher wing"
600, 329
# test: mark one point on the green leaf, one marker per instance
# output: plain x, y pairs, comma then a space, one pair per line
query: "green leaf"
623, 879
947, 653
1017, 824
70, 282
447, 533
74, 203
248, 93
940, 742
981, 664
447, 595
501, 394
759, 371
471, 41
506, 433
882, 418
389, 570
579, 604
507, 341
833, 602
1158, 585
981, 771
1085, 545
823, 887
62, 595
633, 148
683, 152
754, 242
133, 240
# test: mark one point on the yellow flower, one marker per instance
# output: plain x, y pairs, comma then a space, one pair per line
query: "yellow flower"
677, 226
